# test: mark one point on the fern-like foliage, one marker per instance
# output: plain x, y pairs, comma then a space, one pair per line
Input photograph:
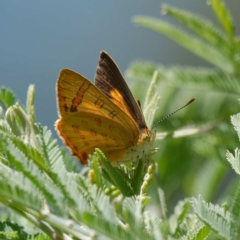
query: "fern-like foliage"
191, 78
234, 160
222, 220
36, 185
223, 16
215, 217
212, 44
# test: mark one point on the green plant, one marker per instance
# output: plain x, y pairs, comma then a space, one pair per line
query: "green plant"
49, 195
216, 90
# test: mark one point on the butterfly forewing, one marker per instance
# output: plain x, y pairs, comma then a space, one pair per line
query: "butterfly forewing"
88, 119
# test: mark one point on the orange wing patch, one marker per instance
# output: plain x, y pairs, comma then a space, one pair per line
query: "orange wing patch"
117, 98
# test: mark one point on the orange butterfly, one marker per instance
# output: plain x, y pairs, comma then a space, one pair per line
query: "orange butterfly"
104, 115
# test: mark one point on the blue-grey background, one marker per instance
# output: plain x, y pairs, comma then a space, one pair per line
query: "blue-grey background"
38, 38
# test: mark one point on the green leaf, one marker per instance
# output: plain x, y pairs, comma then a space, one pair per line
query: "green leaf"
151, 90
234, 209
7, 97
14, 186
138, 177
35, 176
118, 179
155, 227
151, 101
13, 121
12, 231
180, 211
199, 232
196, 78
204, 28
162, 203
57, 173
184, 132
133, 216
195, 45
213, 216
58, 226
30, 104
235, 120
234, 160
223, 15
106, 228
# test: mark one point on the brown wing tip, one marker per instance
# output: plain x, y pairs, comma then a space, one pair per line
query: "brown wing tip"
104, 55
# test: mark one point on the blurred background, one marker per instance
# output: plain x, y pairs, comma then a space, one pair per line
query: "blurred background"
38, 38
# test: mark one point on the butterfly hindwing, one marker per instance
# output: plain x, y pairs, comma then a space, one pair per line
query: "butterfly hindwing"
82, 135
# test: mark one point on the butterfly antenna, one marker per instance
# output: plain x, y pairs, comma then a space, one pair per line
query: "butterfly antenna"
169, 115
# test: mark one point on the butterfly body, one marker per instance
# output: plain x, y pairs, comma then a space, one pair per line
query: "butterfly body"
104, 115
142, 150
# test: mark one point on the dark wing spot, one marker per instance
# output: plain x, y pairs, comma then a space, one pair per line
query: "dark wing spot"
75, 148
99, 103
85, 123
104, 136
65, 107
111, 127
73, 108
79, 97
112, 114
98, 122
93, 132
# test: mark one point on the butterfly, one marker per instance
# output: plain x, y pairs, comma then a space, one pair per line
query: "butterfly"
102, 115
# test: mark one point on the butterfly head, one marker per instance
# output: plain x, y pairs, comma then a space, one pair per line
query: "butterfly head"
144, 147
147, 136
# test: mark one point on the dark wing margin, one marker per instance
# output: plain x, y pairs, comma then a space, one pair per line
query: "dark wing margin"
110, 81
